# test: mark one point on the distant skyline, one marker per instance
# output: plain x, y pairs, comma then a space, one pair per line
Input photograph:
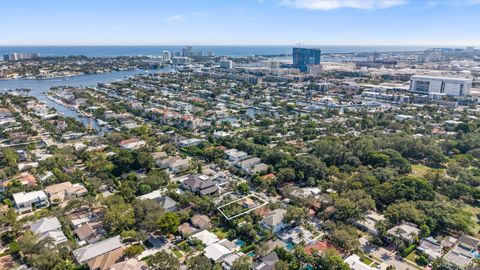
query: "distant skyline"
241, 22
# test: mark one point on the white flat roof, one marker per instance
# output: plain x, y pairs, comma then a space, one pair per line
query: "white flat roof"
430, 77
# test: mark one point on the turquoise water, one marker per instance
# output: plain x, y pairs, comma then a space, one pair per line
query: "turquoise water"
38, 87
240, 243
289, 246
251, 254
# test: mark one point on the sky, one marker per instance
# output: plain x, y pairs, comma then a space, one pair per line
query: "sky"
240, 22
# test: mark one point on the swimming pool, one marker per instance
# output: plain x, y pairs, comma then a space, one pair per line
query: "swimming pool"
289, 246
239, 243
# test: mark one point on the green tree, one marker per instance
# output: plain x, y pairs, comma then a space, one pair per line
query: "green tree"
168, 223
295, 214
243, 188
133, 251
199, 262
424, 231
330, 260
119, 215
242, 263
163, 261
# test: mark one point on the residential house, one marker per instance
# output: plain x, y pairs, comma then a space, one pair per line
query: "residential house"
368, 224
274, 220
101, 255
216, 251
206, 237
266, 263
318, 247
168, 204
296, 236
49, 228
464, 252
186, 229
235, 155
4, 113
199, 184
430, 247
159, 155
174, 164
248, 163
355, 263
406, 231
201, 221
227, 261
190, 142
130, 264
59, 192
468, 242
257, 169
25, 201
132, 144
87, 233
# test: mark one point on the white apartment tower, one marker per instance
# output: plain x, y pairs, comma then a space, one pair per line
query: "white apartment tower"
437, 87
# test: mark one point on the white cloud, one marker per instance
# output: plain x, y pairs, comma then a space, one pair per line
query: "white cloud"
337, 4
455, 2
175, 19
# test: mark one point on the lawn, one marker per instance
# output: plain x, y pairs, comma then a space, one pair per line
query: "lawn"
412, 256
177, 253
419, 170
411, 259
366, 260
220, 233
474, 211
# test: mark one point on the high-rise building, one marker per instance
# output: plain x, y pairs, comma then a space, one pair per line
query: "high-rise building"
13, 57
166, 56
304, 57
225, 63
437, 87
187, 51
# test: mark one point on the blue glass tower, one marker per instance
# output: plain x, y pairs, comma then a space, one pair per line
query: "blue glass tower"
303, 57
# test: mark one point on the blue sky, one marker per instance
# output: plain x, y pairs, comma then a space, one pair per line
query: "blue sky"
240, 22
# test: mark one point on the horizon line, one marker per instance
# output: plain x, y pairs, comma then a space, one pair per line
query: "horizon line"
232, 45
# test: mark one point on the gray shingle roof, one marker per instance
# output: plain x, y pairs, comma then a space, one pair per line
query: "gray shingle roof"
94, 250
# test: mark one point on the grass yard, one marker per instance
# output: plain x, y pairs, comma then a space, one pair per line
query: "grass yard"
419, 170
220, 233
474, 211
366, 260
177, 253
412, 256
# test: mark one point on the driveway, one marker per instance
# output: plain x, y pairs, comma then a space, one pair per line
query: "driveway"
387, 257
158, 246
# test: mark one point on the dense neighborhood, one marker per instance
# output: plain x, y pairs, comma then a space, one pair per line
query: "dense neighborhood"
219, 164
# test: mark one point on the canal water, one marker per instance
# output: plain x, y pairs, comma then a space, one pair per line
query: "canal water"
38, 87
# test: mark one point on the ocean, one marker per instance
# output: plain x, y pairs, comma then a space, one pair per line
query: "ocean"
234, 51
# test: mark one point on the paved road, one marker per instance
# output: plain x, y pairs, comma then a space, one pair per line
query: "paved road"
388, 257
